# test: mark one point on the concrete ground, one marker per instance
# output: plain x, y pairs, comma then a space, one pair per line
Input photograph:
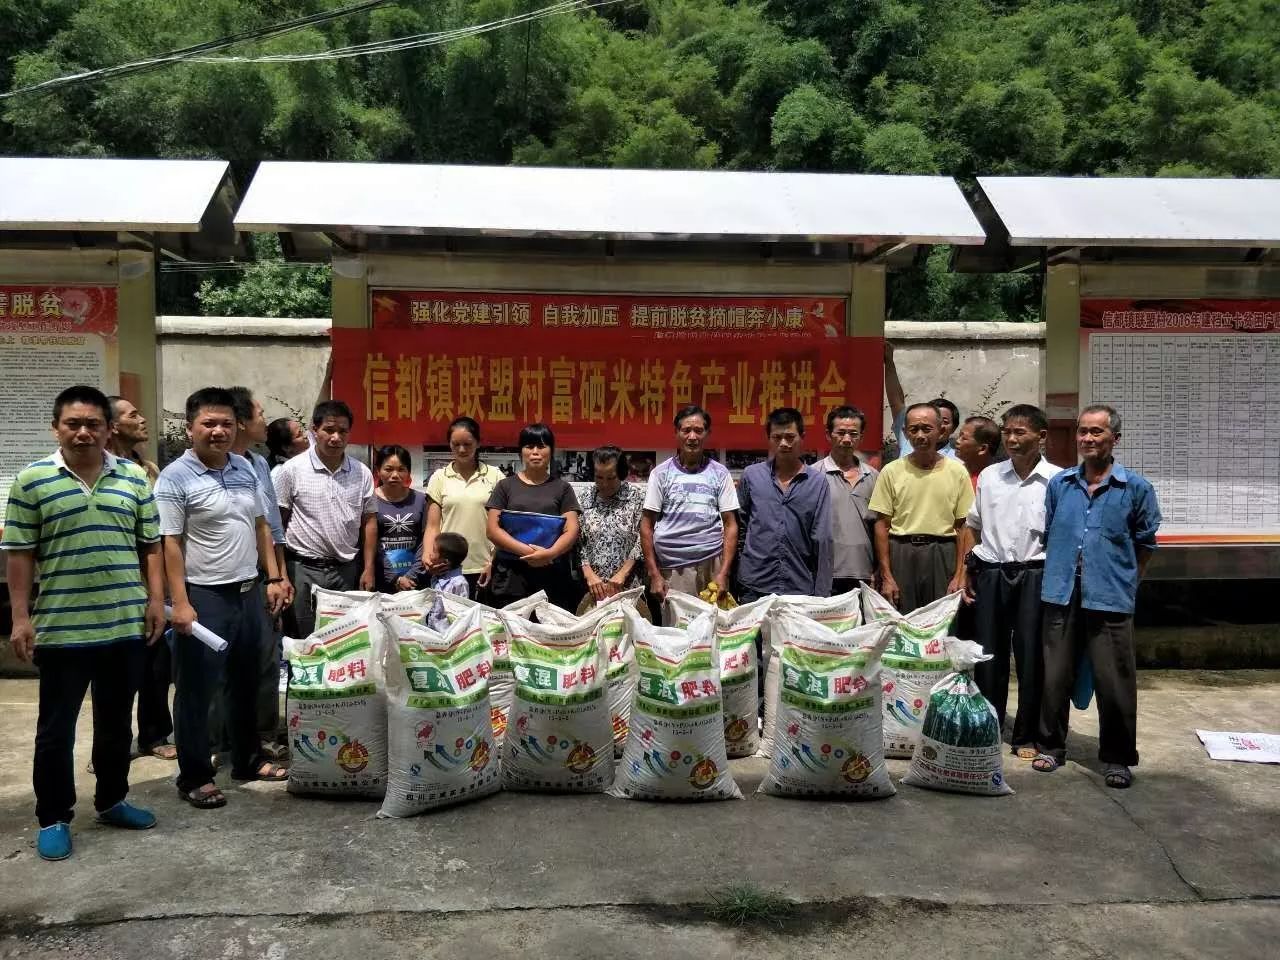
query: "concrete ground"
1184, 864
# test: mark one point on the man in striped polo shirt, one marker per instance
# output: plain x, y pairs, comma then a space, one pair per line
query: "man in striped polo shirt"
215, 539
85, 520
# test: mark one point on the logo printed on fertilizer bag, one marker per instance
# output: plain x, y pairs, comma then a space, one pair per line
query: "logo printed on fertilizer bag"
826, 698
675, 748
913, 664
562, 735
737, 632
611, 619
441, 738
335, 708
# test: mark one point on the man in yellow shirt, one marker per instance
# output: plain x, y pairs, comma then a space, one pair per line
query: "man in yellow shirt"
920, 502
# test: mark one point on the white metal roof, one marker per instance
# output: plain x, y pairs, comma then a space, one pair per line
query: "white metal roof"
585, 203
169, 196
1125, 211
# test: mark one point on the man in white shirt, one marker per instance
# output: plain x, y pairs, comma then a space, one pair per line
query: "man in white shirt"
1006, 567
330, 514
215, 540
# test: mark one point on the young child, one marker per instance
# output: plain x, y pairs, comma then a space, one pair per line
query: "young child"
452, 548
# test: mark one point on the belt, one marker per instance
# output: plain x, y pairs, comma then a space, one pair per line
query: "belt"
919, 539
326, 563
1009, 564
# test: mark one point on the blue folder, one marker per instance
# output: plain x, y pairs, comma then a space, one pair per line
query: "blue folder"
535, 529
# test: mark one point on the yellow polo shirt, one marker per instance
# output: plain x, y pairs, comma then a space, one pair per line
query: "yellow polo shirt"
462, 509
922, 502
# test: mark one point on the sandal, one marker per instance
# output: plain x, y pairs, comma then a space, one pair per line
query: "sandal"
163, 751
1025, 753
1045, 763
267, 771
1117, 775
208, 797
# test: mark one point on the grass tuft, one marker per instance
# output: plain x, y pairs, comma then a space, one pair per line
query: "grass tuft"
744, 905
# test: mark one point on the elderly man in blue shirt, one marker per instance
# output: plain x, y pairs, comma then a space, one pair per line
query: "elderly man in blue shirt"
785, 512
1100, 530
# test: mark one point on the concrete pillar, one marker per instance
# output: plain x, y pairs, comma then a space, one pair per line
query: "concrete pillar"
350, 292
139, 356
1061, 312
866, 301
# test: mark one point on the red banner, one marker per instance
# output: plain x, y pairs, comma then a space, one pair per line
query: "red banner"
58, 309
595, 386
1180, 316
650, 316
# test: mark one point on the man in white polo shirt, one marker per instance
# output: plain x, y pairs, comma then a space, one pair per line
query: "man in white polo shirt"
1006, 567
215, 539
330, 514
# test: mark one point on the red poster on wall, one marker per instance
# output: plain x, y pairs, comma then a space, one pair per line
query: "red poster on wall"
562, 360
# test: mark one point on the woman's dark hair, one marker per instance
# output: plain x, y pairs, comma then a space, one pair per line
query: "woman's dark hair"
537, 435
469, 425
384, 454
611, 454
279, 440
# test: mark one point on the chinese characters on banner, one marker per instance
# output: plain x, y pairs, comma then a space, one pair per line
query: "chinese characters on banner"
51, 337
599, 369
1197, 386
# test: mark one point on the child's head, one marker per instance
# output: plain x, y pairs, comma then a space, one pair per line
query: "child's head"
452, 548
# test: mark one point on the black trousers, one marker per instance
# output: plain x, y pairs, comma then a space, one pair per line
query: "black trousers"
155, 723
841, 585
1007, 616
202, 674
1108, 637
922, 571
113, 671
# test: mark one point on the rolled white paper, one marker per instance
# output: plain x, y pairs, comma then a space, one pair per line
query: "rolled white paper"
202, 633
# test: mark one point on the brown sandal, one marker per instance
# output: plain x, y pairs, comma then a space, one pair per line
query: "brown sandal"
208, 797
164, 751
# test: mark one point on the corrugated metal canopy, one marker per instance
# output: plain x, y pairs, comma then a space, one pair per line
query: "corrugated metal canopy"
1135, 212
161, 196
591, 203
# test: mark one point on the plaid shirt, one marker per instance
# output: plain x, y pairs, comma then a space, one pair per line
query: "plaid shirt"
326, 508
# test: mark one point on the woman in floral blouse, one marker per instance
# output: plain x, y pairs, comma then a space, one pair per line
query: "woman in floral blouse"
610, 540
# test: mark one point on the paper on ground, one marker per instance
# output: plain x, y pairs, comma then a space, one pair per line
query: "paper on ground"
1249, 747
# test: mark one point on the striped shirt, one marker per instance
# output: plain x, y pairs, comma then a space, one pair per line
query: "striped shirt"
86, 548
690, 528
216, 513
326, 507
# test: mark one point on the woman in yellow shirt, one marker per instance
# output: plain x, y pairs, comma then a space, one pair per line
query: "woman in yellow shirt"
457, 495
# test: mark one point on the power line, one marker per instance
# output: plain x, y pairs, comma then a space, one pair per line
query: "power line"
197, 53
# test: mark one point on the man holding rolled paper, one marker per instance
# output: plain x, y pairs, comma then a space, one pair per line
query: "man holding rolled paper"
85, 521
215, 539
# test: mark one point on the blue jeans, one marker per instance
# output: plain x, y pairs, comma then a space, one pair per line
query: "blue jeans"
201, 674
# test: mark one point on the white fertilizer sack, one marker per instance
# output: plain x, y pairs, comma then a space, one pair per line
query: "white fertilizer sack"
737, 633
611, 619
914, 662
675, 749
827, 701
960, 748
329, 605
440, 738
501, 682
840, 613
560, 737
336, 708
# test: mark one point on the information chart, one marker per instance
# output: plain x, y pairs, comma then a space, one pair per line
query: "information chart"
51, 338
1201, 420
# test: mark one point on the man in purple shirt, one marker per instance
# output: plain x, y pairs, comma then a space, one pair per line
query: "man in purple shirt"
785, 510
